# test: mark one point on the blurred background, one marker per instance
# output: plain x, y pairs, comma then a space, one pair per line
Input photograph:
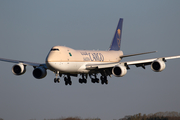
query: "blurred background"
28, 30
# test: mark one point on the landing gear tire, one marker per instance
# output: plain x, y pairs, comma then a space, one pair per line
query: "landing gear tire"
56, 80
95, 80
68, 81
104, 80
82, 80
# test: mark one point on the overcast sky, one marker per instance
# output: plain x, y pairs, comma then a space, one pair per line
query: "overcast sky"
28, 30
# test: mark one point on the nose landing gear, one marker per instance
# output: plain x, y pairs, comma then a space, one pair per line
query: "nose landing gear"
96, 80
66, 79
57, 79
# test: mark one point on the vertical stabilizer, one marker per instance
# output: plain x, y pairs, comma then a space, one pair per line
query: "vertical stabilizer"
116, 42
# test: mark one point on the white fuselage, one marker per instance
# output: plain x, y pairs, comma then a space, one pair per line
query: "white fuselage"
67, 60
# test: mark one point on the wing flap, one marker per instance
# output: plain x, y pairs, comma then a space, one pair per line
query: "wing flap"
100, 66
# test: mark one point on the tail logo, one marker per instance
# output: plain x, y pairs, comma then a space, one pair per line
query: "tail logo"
116, 41
118, 37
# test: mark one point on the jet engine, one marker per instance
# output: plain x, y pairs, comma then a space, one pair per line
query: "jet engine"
19, 69
39, 72
158, 65
119, 70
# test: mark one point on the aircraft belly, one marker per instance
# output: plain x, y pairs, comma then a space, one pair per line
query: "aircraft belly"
67, 67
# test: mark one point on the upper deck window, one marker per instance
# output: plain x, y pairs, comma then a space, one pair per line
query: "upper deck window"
54, 49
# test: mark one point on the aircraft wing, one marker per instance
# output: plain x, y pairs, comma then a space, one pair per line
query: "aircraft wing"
138, 63
141, 63
24, 62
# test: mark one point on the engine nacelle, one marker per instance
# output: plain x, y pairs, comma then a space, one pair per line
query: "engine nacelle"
158, 65
39, 72
19, 69
119, 70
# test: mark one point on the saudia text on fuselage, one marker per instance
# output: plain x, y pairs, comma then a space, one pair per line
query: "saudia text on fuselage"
92, 56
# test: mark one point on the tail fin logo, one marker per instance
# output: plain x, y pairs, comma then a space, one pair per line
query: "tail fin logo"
118, 38
116, 42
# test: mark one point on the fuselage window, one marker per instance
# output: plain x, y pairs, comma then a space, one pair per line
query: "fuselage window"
54, 49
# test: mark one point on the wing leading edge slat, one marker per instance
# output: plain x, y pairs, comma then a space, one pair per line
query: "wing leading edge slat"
24, 62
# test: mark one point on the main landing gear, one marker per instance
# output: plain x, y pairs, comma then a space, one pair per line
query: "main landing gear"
83, 79
96, 80
104, 80
68, 80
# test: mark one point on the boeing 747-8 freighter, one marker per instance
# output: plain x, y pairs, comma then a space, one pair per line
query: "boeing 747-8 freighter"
69, 62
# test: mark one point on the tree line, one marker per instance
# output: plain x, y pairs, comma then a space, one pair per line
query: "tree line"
157, 116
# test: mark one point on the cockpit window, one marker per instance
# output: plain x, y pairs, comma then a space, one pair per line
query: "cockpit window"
54, 49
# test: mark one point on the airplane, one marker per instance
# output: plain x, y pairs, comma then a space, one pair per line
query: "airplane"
70, 62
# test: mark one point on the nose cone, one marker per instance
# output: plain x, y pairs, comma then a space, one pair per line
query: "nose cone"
48, 61
51, 63
53, 57
48, 58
